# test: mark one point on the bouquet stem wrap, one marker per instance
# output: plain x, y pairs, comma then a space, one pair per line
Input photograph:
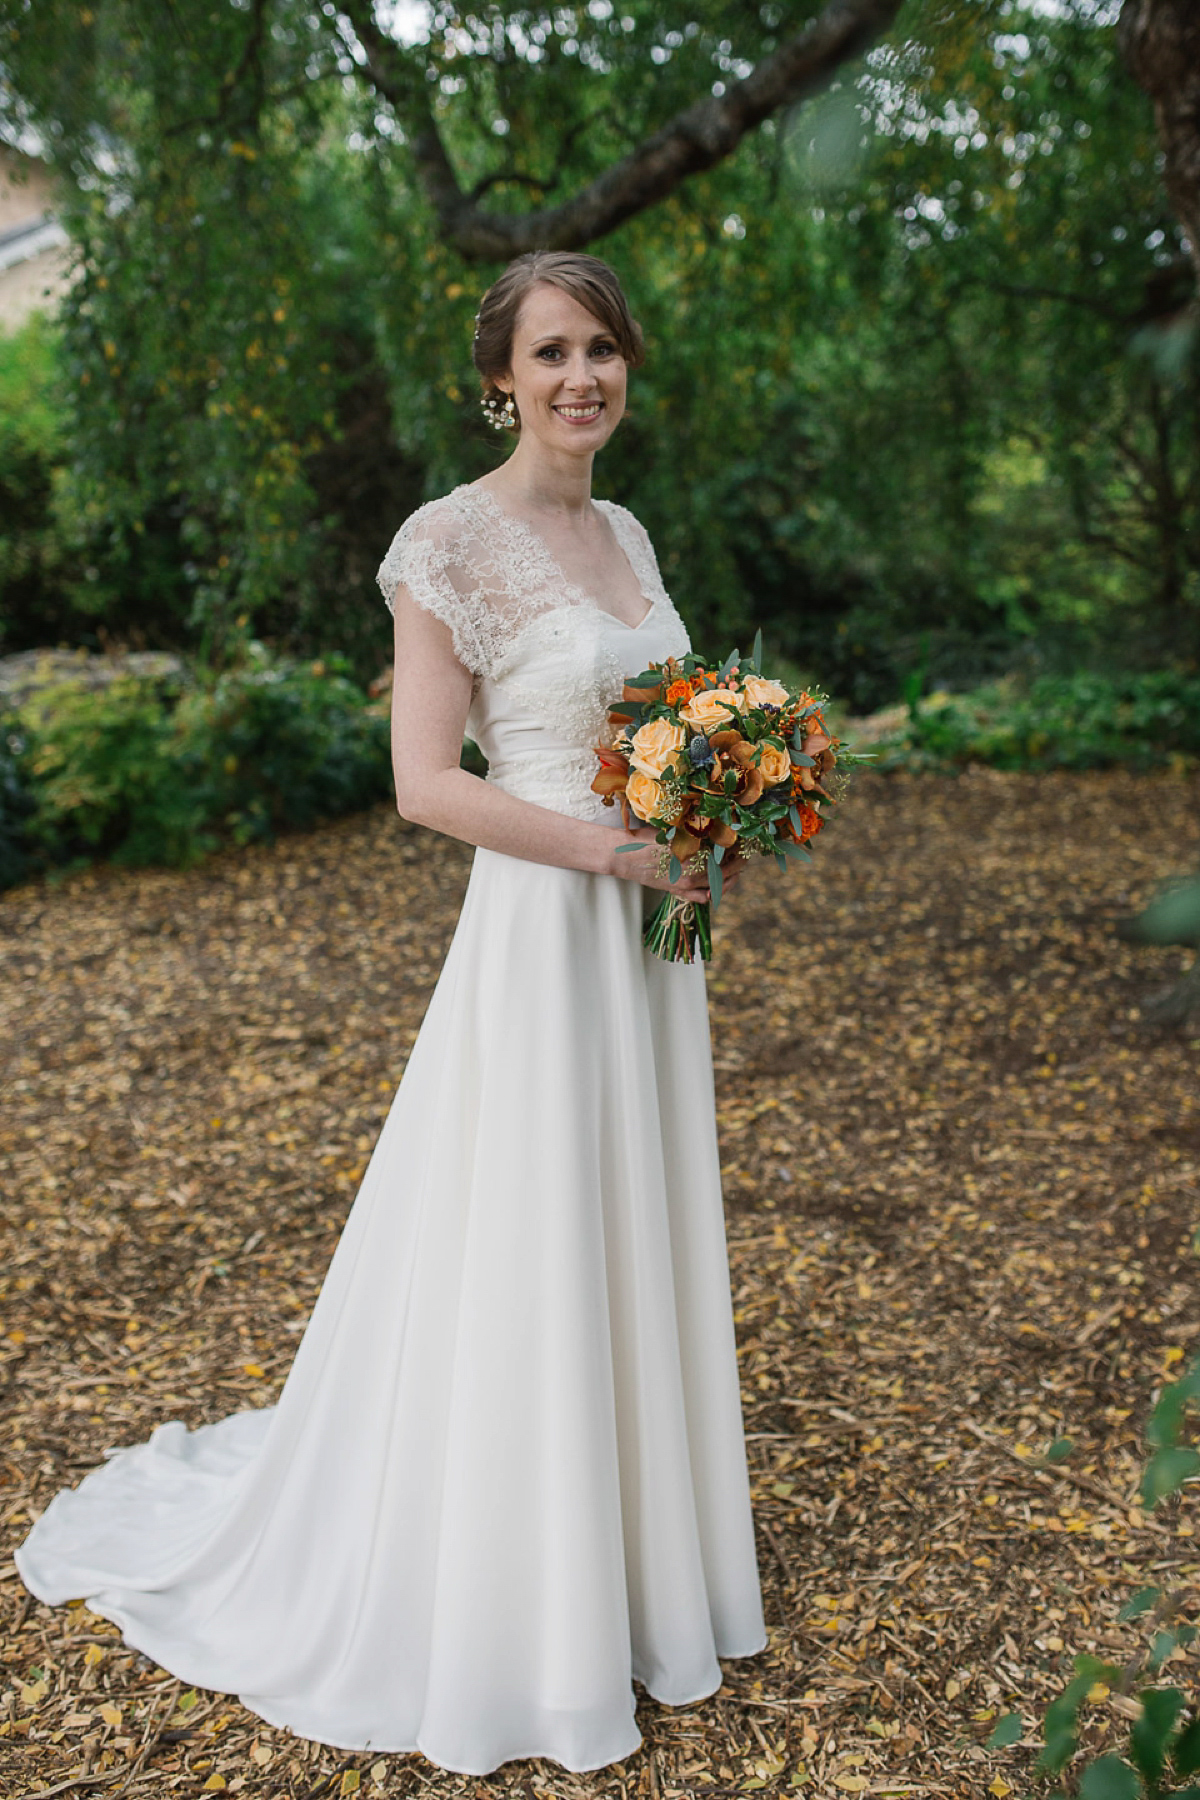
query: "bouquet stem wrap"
677, 929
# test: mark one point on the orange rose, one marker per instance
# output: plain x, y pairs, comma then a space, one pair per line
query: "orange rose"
775, 765
709, 711
656, 745
647, 797
679, 690
761, 692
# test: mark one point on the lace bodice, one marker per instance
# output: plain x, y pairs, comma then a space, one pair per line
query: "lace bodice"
547, 659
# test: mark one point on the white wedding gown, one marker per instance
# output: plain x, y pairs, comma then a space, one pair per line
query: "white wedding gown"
506, 1473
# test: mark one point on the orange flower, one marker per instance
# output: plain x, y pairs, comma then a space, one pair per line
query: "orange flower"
679, 690
612, 775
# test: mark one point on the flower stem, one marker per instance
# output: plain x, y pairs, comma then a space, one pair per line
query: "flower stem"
676, 928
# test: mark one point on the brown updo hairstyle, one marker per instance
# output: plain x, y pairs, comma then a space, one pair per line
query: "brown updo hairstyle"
585, 278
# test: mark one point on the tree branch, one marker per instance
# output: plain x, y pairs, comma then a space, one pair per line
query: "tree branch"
696, 139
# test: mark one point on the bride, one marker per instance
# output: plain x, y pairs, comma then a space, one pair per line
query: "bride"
506, 1475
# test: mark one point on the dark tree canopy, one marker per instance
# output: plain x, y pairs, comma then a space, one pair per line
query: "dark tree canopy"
791, 67
922, 384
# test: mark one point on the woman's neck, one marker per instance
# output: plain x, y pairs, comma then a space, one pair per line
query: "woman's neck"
542, 482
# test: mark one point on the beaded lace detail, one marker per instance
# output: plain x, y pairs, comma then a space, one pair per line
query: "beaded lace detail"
487, 574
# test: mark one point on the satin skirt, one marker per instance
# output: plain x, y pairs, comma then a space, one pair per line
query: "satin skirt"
506, 1474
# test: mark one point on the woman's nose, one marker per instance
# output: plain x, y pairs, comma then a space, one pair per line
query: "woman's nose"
578, 374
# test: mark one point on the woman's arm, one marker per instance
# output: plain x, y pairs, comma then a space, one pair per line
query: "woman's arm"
431, 696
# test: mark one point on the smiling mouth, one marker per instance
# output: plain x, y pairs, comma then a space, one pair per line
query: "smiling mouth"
580, 413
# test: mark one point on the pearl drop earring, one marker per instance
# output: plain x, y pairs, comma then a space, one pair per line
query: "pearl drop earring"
502, 417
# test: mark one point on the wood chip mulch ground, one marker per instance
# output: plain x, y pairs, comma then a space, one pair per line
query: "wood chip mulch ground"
962, 1195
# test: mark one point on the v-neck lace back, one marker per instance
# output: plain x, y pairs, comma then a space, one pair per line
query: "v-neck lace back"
487, 574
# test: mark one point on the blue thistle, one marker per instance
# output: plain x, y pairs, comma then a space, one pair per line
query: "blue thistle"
700, 751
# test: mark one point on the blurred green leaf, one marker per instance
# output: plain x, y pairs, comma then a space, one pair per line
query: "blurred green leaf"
1150, 1735
1139, 1603
1166, 1472
1005, 1731
1185, 1751
1109, 1779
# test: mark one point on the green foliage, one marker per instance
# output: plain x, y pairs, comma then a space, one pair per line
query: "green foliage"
34, 549
17, 805
1163, 1746
1109, 1778
918, 367
1172, 1462
164, 771
1085, 721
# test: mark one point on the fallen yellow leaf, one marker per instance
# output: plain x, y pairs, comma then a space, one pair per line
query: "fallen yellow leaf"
253, 1369
93, 1655
110, 1714
214, 1785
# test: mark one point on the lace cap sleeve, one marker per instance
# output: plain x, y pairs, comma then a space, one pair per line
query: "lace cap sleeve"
431, 556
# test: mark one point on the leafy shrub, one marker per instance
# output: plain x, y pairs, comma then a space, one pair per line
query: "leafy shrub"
1084, 721
17, 805
164, 770
1163, 1747
34, 557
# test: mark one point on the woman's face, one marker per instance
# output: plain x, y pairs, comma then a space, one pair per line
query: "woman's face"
567, 375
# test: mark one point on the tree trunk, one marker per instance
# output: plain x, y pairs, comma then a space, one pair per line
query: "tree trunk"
1160, 41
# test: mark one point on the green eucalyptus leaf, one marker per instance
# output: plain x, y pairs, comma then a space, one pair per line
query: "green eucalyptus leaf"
1060, 1449
716, 880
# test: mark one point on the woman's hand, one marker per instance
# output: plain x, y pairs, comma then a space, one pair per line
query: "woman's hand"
642, 865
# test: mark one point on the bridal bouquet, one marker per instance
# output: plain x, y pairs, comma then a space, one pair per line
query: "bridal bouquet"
724, 762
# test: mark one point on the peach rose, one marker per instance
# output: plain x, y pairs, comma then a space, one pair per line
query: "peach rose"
709, 710
656, 745
775, 765
761, 692
646, 796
